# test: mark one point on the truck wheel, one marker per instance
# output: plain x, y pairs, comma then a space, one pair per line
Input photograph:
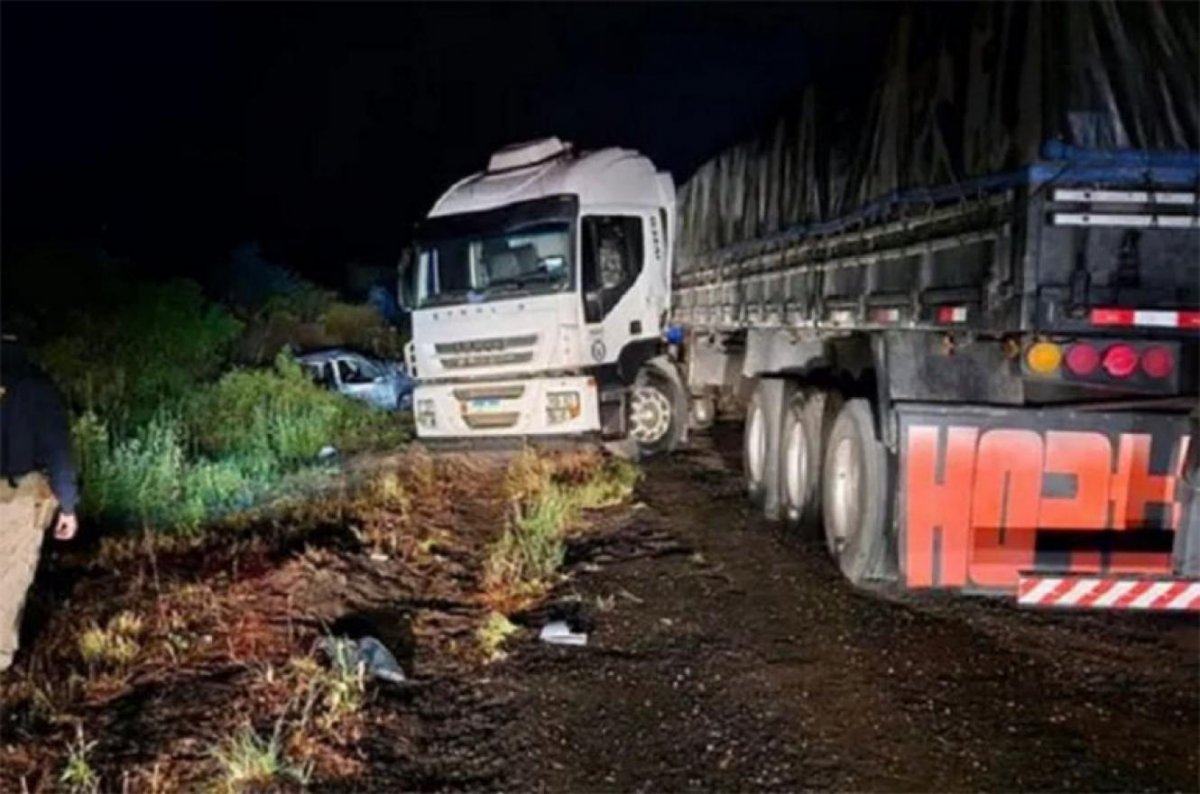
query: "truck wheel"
653, 422
755, 449
806, 426
855, 493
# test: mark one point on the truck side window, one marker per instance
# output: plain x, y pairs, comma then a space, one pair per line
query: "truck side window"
611, 248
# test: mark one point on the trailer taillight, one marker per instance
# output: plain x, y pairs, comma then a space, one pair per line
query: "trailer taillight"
1082, 359
1120, 361
1157, 362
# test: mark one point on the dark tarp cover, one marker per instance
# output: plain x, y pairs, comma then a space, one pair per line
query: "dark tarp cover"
956, 102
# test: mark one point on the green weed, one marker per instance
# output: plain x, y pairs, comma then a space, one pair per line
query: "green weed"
612, 484
496, 628
532, 548
337, 691
113, 646
78, 776
250, 761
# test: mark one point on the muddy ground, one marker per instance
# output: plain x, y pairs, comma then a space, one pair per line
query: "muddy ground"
722, 655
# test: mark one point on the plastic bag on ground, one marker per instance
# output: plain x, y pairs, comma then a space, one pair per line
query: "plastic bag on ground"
373, 655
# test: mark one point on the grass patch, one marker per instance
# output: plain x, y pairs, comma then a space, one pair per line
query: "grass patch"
337, 691
531, 548
249, 761
547, 496
612, 484
113, 646
495, 630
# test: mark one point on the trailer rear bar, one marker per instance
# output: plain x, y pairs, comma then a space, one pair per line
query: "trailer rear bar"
1068, 591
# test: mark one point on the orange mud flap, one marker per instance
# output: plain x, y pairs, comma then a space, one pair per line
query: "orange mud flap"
989, 498
1072, 591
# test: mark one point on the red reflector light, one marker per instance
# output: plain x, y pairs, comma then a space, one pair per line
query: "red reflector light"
952, 314
1120, 361
1112, 317
1157, 362
1082, 359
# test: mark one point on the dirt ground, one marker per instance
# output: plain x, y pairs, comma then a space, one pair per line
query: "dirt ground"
722, 655
735, 658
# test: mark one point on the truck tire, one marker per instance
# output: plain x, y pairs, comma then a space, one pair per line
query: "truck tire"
806, 427
760, 446
755, 449
654, 421
855, 491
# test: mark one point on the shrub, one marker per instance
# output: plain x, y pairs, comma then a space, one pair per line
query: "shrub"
279, 414
126, 363
148, 478
532, 548
282, 416
361, 326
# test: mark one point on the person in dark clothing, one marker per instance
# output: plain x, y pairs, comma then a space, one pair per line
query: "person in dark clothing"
37, 480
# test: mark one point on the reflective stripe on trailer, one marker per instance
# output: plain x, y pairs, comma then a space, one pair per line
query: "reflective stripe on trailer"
1093, 592
1145, 318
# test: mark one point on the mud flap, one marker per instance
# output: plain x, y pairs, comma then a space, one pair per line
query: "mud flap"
1186, 553
985, 494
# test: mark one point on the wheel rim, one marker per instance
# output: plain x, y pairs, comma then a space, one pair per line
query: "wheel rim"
845, 489
649, 415
756, 446
795, 471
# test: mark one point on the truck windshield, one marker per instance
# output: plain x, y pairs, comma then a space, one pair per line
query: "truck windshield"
533, 258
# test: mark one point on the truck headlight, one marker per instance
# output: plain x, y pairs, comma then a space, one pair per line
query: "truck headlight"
425, 415
562, 406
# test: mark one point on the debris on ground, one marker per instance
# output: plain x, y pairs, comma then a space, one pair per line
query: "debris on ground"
558, 632
374, 657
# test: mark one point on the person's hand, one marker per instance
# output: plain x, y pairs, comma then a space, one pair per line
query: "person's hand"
66, 526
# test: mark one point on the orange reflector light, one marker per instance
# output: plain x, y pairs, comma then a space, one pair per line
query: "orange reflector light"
1044, 358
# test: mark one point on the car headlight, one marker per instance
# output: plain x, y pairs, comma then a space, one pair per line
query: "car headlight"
426, 416
562, 406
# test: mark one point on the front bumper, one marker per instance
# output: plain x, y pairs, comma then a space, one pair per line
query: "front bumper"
504, 408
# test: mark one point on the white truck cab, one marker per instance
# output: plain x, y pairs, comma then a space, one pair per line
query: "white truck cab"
539, 293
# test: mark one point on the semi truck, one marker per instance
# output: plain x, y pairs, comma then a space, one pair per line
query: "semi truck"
965, 351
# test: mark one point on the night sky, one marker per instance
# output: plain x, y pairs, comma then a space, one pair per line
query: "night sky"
174, 131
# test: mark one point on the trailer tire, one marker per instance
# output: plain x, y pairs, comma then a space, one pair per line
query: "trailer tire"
856, 490
756, 464
806, 427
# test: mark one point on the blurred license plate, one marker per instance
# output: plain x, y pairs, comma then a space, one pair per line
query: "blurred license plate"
485, 404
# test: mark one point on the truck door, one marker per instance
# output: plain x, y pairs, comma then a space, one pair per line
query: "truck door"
612, 252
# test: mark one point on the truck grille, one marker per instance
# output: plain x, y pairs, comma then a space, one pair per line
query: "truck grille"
498, 351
